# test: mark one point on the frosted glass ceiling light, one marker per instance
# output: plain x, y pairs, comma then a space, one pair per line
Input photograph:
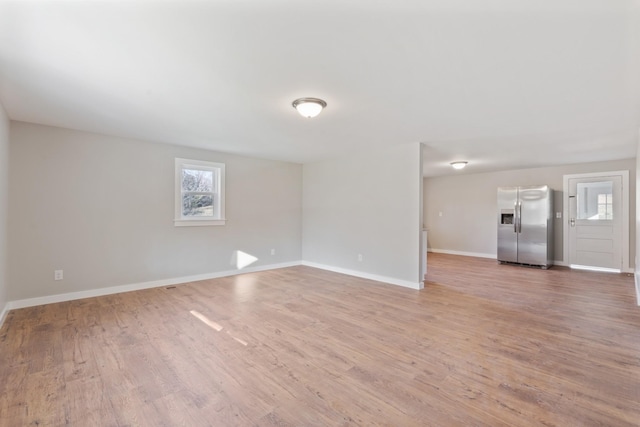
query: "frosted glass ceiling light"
458, 165
309, 107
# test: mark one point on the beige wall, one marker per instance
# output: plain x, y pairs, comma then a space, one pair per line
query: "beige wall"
101, 208
468, 205
637, 222
4, 207
365, 204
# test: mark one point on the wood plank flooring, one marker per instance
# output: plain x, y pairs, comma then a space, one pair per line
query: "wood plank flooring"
482, 345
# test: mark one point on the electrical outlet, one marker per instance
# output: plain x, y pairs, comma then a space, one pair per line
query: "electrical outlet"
273, 251
58, 275
439, 213
360, 257
558, 214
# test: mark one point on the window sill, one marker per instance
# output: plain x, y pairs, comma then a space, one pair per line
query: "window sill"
197, 222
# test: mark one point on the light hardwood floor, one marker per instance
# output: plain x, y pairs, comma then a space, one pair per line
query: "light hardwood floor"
481, 345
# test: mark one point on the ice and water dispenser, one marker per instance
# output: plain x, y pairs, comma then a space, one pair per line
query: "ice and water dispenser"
506, 217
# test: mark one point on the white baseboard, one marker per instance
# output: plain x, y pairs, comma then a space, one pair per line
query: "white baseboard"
30, 302
3, 314
375, 277
482, 255
461, 253
70, 296
555, 262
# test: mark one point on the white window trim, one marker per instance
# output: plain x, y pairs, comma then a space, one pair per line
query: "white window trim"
182, 221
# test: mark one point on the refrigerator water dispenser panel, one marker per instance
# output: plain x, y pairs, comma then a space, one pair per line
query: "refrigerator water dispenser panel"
506, 217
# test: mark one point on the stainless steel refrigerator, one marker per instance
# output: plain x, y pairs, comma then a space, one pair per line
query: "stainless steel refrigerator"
525, 225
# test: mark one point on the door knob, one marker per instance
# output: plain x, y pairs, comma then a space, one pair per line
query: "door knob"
572, 221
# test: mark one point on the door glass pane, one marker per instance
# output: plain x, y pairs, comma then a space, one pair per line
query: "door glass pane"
595, 200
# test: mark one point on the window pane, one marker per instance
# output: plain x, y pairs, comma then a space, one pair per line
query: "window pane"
197, 180
595, 200
197, 205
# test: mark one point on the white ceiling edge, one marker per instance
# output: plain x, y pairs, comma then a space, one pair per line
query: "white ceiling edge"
497, 83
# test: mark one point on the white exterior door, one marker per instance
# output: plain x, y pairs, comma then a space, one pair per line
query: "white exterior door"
596, 222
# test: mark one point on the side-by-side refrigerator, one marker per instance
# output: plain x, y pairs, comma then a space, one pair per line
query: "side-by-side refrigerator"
525, 225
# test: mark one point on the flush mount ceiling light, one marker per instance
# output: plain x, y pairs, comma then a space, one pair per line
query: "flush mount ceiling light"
458, 165
309, 107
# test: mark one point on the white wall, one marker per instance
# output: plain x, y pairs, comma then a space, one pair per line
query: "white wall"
101, 208
637, 217
468, 205
4, 208
367, 204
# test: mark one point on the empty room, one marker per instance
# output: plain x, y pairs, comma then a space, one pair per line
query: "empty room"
319, 213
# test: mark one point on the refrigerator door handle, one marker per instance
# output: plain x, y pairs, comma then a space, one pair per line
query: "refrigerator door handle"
519, 216
515, 217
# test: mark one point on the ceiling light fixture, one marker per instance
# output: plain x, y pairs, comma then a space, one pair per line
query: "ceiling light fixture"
458, 165
309, 107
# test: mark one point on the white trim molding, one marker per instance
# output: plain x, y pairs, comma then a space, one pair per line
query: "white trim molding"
637, 277
30, 302
462, 253
362, 275
217, 193
3, 314
70, 296
482, 255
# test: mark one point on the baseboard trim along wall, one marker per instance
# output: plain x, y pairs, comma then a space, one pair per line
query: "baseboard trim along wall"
482, 255
494, 256
375, 277
30, 302
461, 253
50, 299
3, 315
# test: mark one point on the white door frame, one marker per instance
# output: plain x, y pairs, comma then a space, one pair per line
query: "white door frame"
625, 214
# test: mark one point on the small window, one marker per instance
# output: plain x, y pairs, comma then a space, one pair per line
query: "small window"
199, 188
605, 206
595, 200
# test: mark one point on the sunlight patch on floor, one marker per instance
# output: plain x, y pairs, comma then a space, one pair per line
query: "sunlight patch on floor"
204, 319
213, 325
237, 339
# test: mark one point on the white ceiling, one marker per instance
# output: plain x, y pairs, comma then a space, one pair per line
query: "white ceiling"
502, 84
